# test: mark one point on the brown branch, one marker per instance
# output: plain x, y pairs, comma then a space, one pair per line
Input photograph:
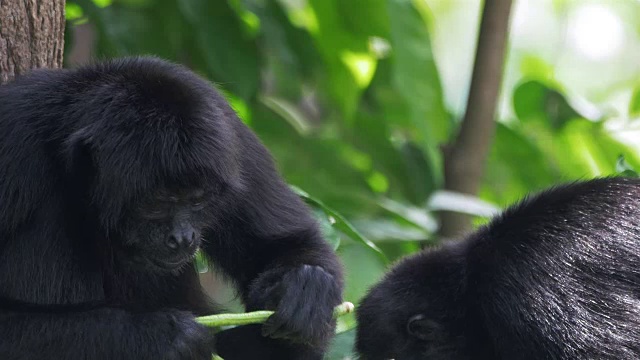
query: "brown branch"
31, 36
464, 159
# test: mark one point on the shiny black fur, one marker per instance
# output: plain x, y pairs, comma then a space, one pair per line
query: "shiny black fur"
554, 277
80, 151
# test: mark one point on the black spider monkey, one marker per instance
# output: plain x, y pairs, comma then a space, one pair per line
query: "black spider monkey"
112, 176
556, 276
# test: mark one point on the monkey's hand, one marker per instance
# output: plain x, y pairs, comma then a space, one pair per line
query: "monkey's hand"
303, 299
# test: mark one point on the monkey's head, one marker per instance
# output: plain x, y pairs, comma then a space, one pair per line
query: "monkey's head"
155, 160
163, 231
416, 311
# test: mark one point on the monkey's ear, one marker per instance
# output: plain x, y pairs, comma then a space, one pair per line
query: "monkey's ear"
420, 327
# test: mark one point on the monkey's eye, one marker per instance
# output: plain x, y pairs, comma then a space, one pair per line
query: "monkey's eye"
420, 327
197, 204
154, 212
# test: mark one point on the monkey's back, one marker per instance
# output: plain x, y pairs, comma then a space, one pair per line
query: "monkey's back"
557, 276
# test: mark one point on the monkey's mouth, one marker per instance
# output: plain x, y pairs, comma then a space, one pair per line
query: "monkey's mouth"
168, 265
163, 264
174, 263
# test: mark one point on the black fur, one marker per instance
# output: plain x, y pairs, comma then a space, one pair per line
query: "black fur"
83, 154
555, 277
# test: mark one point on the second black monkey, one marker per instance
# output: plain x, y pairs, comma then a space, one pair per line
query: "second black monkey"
556, 276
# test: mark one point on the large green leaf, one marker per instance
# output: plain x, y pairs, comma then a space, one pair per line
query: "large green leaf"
416, 77
444, 200
339, 222
372, 18
291, 56
385, 228
505, 179
314, 163
349, 64
327, 223
585, 148
532, 100
401, 162
221, 46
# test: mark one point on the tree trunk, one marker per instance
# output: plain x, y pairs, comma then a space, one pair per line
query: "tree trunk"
31, 36
464, 160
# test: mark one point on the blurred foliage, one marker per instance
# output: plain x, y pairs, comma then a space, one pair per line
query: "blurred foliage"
348, 97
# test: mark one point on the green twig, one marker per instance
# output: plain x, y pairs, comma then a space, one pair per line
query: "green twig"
257, 317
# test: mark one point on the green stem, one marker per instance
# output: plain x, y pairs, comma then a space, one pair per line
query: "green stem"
257, 317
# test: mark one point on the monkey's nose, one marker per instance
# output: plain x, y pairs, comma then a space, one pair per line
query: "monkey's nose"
181, 239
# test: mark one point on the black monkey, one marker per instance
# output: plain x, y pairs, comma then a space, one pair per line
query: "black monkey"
111, 177
555, 277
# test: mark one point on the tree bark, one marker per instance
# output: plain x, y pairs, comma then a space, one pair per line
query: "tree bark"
464, 159
31, 36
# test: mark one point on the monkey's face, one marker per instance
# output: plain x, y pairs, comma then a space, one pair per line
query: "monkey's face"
163, 232
413, 313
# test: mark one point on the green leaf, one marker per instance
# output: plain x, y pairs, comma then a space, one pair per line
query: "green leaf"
634, 105
299, 156
102, 3
340, 222
533, 66
624, 168
201, 263
291, 58
411, 214
326, 226
528, 99
505, 179
288, 112
349, 64
221, 47
383, 129
462, 203
533, 100
380, 229
586, 148
372, 18
73, 11
416, 77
